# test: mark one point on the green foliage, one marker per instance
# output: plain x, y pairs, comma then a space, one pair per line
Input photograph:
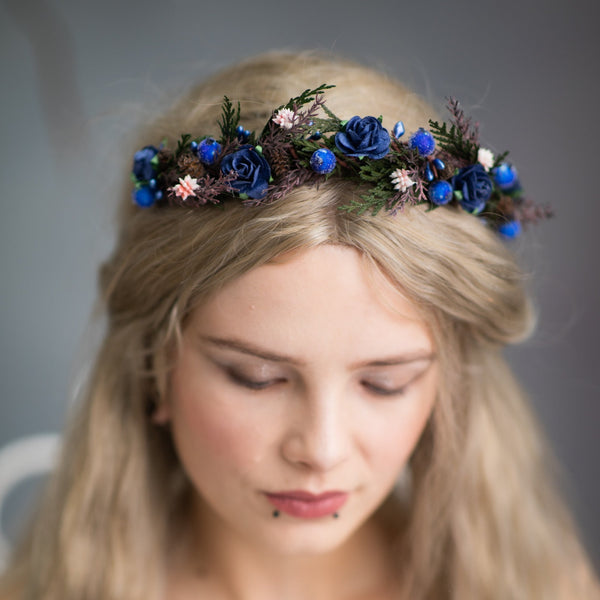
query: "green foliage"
377, 197
374, 200
500, 158
374, 174
230, 119
375, 171
330, 125
325, 126
453, 141
304, 149
183, 143
305, 97
336, 122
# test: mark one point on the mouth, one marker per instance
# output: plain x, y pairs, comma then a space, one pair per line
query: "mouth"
305, 505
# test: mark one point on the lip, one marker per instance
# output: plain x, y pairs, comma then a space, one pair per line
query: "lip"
306, 505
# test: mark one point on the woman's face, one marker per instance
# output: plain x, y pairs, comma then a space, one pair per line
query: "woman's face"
296, 399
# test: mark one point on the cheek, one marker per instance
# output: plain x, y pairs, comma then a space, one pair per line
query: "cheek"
399, 429
395, 441
211, 433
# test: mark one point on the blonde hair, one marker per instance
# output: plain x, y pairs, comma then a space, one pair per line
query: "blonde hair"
484, 520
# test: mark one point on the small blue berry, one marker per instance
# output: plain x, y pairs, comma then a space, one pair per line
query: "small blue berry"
429, 173
315, 136
208, 150
243, 134
194, 146
144, 196
422, 141
438, 164
510, 229
323, 161
398, 130
440, 192
505, 176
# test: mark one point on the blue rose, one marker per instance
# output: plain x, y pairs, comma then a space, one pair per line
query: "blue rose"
252, 169
475, 187
363, 137
144, 165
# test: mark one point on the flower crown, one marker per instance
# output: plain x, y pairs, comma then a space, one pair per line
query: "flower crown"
441, 165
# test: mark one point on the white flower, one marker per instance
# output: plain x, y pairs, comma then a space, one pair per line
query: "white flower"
485, 158
186, 187
401, 180
285, 118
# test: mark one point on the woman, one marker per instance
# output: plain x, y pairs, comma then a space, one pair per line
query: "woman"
298, 401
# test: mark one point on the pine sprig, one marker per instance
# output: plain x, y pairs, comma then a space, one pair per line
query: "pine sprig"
183, 143
374, 200
335, 120
230, 119
452, 141
304, 148
359, 206
462, 138
375, 171
377, 197
500, 158
305, 97
325, 125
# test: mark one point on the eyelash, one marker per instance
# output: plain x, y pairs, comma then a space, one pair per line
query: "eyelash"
385, 393
262, 385
249, 383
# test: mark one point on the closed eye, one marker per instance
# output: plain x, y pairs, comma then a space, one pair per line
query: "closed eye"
251, 384
383, 388
379, 391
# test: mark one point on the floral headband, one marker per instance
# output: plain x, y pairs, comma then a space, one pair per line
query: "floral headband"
441, 165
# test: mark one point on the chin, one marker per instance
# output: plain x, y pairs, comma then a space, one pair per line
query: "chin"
292, 537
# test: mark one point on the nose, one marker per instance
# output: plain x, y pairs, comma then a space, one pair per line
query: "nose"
319, 435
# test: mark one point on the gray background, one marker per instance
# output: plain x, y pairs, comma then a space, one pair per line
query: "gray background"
75, 75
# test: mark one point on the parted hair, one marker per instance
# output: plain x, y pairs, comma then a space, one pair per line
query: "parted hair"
482, 519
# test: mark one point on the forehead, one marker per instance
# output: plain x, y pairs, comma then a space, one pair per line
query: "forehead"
327, 296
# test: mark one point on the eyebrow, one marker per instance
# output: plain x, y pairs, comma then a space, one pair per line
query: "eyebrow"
247, 348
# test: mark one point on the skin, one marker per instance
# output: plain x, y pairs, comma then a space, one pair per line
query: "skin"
303, 374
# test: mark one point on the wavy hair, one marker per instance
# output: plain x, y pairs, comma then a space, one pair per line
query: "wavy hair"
483, 520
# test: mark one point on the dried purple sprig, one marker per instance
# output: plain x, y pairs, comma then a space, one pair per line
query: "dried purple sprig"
529, 213
210, 189
465, 126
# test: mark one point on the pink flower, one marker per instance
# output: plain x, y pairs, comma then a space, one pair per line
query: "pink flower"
186, 187
401, 180
285, 118
485, 158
